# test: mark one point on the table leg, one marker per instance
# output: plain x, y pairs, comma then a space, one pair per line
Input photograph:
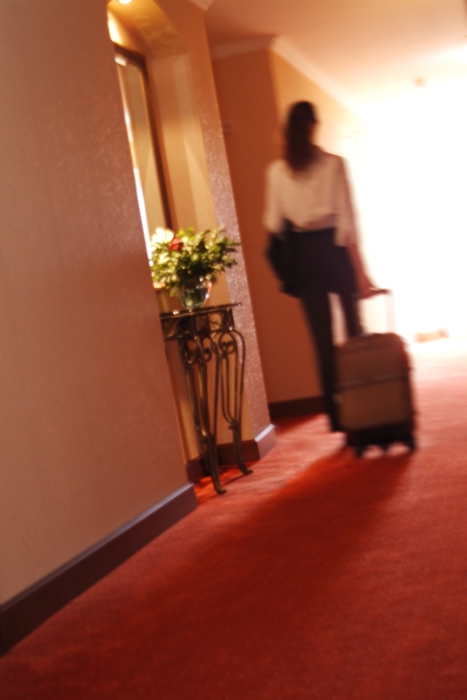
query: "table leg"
195, 357
230, 346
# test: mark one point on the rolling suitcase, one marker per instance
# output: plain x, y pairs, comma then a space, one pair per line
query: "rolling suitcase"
373, 392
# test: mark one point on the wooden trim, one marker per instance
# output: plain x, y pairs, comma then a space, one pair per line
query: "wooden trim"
26, 611
297, 407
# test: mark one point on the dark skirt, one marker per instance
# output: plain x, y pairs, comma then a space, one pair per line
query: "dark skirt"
321, 263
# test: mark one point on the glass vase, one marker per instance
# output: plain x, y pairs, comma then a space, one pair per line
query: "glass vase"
193, 293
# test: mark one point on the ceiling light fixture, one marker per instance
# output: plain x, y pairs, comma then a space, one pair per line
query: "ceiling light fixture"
124, 2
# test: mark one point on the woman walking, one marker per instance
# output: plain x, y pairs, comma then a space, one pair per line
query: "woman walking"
307, 191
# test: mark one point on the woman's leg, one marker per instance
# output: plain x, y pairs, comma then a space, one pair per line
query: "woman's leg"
315, 263
315, 301
349, 305
343, 282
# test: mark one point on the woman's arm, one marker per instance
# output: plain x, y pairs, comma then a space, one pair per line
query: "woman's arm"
365, 286
347, 230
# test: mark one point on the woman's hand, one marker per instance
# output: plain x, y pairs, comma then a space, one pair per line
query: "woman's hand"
366, 288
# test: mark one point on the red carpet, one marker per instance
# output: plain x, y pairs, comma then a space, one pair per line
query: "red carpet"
318, 576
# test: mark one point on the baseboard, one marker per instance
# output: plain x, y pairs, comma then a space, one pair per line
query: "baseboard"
311, 405
26, 611
266, 440
195, 470
253, 450
226, 452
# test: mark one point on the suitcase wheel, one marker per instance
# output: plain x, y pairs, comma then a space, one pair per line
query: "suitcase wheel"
411, 443
359, 448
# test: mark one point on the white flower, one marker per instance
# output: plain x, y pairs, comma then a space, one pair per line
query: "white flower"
162, 235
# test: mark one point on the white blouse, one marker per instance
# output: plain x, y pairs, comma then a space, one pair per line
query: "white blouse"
315, 199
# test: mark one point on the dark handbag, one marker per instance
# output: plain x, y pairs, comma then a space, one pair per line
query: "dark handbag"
280, 253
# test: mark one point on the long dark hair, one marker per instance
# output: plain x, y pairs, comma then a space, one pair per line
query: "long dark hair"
299, 151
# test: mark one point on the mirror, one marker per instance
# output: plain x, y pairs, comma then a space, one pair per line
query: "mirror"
142, 137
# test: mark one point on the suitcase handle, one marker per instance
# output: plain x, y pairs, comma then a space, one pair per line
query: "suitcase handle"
378, 290
390, 317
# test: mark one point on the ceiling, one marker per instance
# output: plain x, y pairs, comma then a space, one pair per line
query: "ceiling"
362, 51
145, 20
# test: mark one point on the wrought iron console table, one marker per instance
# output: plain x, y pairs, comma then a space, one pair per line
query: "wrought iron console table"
205, 336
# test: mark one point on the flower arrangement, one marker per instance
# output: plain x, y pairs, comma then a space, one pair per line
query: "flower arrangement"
178, 258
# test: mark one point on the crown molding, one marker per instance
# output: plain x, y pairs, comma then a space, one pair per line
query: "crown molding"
289, 53
245, 46
202, 4
312, 71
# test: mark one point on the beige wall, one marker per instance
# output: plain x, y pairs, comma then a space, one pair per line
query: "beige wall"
181, 133
336, 121
194, 158
255, 90
89, 433
88, 430
189, 24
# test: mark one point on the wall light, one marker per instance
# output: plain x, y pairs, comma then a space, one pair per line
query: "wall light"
113, 29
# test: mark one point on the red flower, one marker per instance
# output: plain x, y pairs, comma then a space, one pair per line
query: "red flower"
175, 244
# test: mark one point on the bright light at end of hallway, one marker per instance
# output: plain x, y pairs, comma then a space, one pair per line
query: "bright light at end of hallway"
455, 53
415, 173
462, 50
